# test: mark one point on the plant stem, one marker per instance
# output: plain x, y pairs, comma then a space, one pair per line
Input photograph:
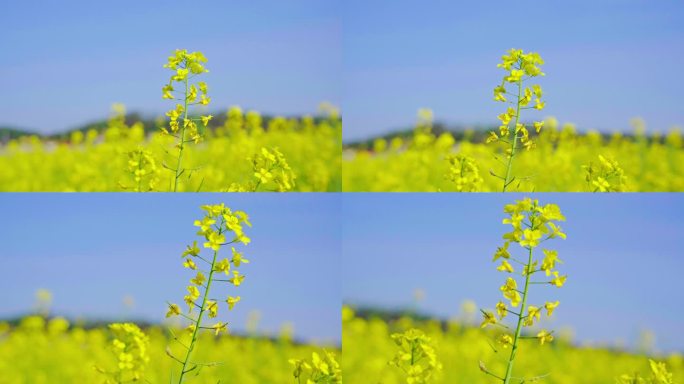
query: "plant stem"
182, 137
198, 323
518, 328
514, 142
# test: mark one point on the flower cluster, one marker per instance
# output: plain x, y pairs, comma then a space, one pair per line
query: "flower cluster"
463, 172
130, 345
659, 375
532, 224
320, 370
217, 222
143, 169
606, 176
182, 126
416, 356
271, 172
519, 67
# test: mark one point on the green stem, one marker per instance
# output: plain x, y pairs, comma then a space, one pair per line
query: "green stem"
518, 328
514, 142
198, 323
182, 138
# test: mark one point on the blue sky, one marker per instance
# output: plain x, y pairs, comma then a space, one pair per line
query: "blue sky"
92, 250
622, 256
65, 63
606, 61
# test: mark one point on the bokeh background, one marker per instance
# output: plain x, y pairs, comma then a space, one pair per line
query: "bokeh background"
431, 253
606, 61
116, 257
67, 62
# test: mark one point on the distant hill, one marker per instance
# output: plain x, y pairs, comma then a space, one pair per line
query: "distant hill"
103, 324
149, 123
475, 134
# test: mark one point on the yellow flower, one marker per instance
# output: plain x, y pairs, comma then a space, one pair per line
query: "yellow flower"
237, 279
552, 212
505, 267
515, 76
602, 184
556, 231
166, 90
193, 294
550, 307
532, 314
537, 90
558, 281
173, 310
502, 252
544, 337
215, 241
192, 94
212, 307
205, 119
218, 327
538, 125
487, 318
510, 291
510, 285
205, 225
243, 239
189, 264
222, 266
505, 340
527, 97
232, 301
492, 137
660, 372
550, 260
499, 93
198, 279
237, 258
181, 74
515, 220
263, 175
531, 238
191, 250
501, 309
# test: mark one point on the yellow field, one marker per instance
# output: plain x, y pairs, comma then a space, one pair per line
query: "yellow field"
37, 352
368, 348
555, 165
93, 162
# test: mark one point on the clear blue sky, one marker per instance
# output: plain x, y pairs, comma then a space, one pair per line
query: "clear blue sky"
65, 63
623, 256
606, 61
92, 250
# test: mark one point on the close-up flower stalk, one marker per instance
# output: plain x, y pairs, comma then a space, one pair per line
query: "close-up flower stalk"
532, 225
182, 126
519, 67
218, 222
